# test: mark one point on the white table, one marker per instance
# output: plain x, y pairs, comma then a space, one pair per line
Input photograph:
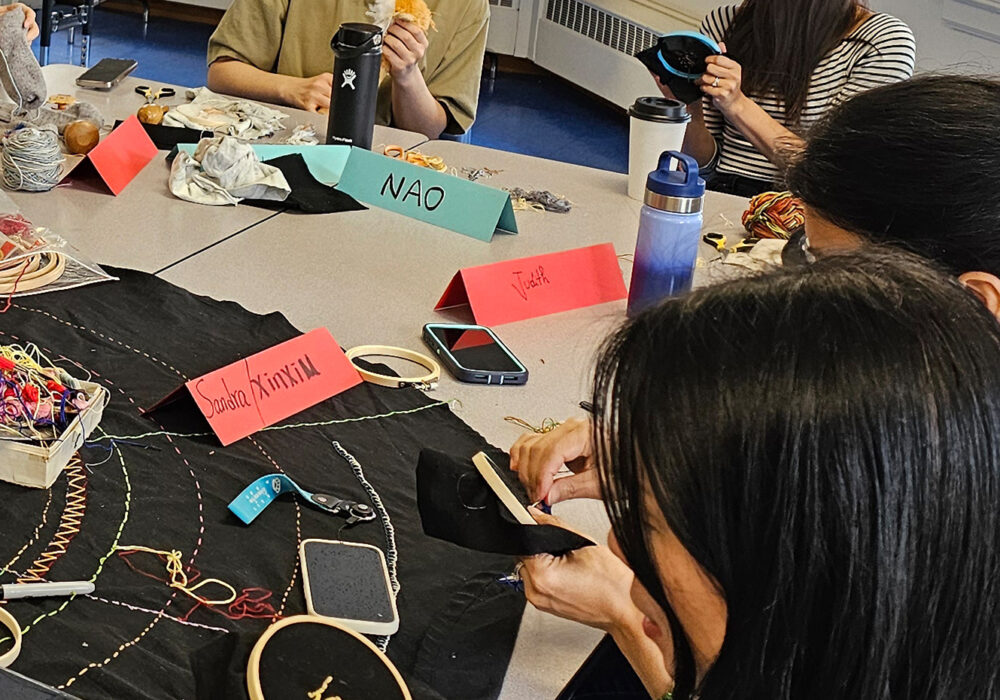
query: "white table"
374, 277
145, 227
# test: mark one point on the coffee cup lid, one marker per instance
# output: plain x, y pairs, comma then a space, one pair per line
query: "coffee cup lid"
660, 109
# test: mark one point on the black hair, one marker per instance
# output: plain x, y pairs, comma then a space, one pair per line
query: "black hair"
916, 164
825, 442
779, 43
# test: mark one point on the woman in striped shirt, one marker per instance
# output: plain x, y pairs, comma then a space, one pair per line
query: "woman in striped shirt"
785, 64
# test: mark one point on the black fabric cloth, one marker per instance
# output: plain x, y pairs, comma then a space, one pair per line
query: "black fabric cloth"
605, 675
296, 659
14, 686
457, 505
730, 183
309, 195
141, 338
167, 138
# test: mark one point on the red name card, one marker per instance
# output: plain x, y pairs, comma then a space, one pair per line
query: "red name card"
122, 154
516, 290
260, 390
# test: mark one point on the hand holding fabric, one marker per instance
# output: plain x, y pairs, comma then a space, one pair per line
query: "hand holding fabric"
537, 458
590, 585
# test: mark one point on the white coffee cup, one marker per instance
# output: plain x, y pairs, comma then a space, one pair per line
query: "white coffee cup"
657, 124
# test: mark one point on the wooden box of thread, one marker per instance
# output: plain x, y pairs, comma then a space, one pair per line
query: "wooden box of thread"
39, 465
47, 416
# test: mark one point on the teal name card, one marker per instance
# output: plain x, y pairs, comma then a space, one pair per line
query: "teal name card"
427, 195
325, 162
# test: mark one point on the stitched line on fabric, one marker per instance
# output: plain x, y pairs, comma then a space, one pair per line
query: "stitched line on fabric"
102, 560
34, 537
69, 523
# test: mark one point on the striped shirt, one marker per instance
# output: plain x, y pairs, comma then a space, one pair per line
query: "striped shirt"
880, 51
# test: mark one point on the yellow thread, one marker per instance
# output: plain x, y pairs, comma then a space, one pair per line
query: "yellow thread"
179, 579
416, 158
522, 204
318, 693
547, 426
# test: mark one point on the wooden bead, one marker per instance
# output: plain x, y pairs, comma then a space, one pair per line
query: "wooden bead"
81, 136
152, 114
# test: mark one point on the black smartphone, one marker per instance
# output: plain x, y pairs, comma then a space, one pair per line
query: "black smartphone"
107, 73
474, 354
349, 583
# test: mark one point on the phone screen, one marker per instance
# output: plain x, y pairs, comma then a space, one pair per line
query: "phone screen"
475, 349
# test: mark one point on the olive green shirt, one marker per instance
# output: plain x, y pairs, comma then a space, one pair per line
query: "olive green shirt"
292, 37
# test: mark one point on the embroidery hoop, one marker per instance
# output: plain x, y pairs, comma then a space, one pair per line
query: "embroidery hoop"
694, 42
253, 667
8, 621
427, 382
34, 272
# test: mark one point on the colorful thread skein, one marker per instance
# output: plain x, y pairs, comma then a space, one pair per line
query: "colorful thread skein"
38, 400
774, 215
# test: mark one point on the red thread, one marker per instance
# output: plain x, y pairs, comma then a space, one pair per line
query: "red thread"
13, 290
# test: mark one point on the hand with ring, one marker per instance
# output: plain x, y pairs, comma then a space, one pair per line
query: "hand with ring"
722, 81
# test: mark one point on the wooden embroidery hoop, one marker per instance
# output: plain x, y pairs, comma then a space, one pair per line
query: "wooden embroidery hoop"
8, 621
253, 667
33, 273
426, 382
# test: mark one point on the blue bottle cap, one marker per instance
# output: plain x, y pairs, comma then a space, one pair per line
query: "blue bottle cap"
667, 182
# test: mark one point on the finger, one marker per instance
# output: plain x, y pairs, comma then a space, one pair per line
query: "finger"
710, 82
518, 451
395, 48
723, 62
722, 47
584, 485
543, 518
412, 28
720, 72
403, 32
395, 62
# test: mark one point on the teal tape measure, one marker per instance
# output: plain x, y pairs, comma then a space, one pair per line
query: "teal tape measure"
261, 493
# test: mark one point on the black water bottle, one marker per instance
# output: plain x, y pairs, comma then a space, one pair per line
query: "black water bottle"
358, 51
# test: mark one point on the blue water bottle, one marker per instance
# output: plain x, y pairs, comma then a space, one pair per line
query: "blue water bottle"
669, 232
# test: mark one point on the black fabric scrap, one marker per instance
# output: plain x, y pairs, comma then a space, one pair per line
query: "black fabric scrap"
167, 138
141, 337
458, 506
309, 195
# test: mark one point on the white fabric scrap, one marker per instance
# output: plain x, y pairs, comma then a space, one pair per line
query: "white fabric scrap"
303, 135
225, 115
225, 170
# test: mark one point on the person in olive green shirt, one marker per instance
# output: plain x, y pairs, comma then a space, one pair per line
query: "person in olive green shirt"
279, 51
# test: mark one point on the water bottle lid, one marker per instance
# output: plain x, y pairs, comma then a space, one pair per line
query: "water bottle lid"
660, 109
683, 183
356, 38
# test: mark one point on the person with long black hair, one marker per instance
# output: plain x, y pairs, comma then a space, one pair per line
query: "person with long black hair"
819, 523
915, 165
785, 63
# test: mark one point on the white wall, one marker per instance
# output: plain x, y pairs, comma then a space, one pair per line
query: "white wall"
940, 46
